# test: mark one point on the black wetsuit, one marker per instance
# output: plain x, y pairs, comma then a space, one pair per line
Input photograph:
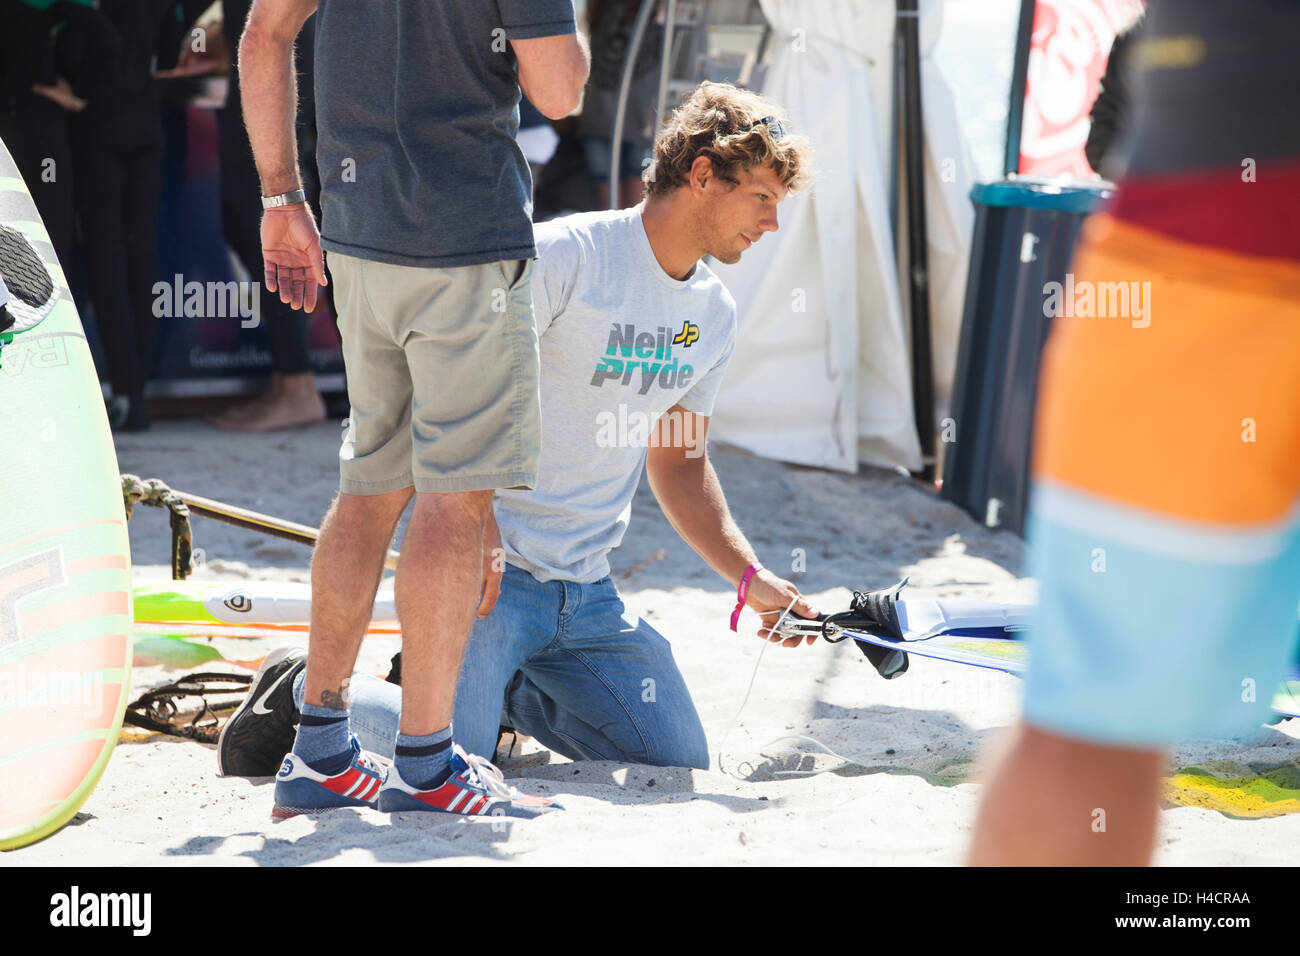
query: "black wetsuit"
33, 127
1110, 110
117, 152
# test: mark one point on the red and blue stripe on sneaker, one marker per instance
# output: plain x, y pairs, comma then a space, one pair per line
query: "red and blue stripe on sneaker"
301, 790
474, 788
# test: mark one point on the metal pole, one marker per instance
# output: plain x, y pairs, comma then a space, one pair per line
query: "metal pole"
1019, 78
665, 68
629, 66
917, 255
895, 123
255, 521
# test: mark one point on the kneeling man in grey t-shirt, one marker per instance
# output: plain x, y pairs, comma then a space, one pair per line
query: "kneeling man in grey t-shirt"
635, 334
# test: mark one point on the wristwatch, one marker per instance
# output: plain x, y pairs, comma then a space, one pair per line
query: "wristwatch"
284, 199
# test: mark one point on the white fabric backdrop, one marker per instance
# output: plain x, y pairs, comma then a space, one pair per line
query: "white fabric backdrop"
821, 373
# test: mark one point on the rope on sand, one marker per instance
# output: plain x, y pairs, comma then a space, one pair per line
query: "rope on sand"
155, 493
746, 770
182, 505
161, 710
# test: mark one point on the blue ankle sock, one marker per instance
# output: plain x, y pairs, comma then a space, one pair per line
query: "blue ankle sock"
424, 762
324, 739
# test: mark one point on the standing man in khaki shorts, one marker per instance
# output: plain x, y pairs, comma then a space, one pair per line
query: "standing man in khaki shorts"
426, 216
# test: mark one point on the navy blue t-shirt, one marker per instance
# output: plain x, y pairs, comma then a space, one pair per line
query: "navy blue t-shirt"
417, 107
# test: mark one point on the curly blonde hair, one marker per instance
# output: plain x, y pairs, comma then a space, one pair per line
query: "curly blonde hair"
726, 124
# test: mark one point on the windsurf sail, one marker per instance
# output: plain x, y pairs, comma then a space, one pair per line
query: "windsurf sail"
889, 629
239, 609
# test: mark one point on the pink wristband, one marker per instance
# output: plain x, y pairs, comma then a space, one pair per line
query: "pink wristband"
742, 592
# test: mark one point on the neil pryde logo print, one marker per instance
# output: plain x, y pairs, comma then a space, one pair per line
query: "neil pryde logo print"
687, 336
239, 601
650, 354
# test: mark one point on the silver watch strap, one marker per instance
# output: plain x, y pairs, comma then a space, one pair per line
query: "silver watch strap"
284, 199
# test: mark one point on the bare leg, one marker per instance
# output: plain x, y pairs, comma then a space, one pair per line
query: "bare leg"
237, 414
345, 573
292, 402
1061, 802
438, 582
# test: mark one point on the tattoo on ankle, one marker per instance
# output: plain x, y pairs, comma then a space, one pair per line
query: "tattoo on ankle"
335, 699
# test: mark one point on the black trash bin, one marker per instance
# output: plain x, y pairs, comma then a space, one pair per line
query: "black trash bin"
1025, 233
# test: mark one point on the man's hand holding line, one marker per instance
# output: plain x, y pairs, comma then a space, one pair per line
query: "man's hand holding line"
690, 495
770, 595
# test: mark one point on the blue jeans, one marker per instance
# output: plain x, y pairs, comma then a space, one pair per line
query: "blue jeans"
565, 663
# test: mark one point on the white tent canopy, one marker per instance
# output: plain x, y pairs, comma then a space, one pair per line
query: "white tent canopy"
822, 372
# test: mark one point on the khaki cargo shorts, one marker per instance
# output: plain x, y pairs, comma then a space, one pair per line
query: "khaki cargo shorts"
442, 374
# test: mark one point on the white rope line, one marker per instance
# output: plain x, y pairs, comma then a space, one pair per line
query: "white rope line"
735, 722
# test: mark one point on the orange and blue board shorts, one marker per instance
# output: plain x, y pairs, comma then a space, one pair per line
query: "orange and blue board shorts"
1164, 519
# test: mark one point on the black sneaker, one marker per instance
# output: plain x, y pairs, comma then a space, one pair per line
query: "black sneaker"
258, 735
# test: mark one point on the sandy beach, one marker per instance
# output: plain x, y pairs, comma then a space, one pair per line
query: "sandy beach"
908, 797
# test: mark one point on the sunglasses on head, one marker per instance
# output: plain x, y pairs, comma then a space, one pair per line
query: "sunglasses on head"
774, 126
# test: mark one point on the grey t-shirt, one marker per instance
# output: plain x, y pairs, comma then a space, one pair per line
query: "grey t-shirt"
417, 106
622, 342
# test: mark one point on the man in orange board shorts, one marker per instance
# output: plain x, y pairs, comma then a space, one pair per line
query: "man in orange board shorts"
1163, 523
